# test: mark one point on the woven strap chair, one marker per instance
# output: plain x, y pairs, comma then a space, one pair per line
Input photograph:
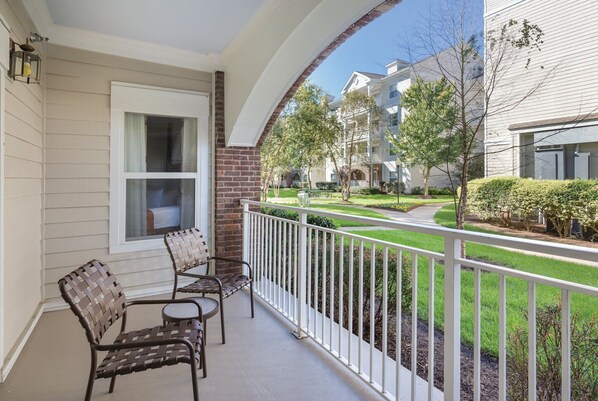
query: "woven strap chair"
188, 249
97, 299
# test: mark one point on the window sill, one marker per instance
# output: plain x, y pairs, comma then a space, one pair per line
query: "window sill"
136, 246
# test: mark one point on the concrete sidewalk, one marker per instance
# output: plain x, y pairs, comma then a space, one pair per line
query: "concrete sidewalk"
420, 215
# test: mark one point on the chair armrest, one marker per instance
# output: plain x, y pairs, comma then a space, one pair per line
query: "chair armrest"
142, 344
234, 261
166, 301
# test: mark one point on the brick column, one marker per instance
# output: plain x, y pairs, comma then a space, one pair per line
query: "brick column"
237, 177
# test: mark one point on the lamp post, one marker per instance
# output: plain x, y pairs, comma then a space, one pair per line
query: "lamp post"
398, 164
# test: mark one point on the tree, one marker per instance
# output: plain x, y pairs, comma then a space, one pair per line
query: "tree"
307, 115
423, 139
451, 41
274, 154
360, 118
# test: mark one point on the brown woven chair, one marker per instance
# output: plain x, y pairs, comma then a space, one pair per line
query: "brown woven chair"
97, 299
188, 249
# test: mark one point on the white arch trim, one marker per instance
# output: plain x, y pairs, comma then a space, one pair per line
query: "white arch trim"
259, 73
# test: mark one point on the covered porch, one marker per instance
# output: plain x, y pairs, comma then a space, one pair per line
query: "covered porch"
261, 360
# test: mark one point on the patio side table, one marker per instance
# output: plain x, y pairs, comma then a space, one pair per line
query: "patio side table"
177, 312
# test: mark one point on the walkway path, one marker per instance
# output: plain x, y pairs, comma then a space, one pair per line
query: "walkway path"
420, 215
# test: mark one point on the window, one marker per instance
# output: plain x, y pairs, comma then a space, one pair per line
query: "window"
392, 176
159, 164
393, 91
393, 119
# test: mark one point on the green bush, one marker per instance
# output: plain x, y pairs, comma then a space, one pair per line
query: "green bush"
584, 359
440, 191
327, 185
524, 201
391, 187
417, 191
320, 221
489, 199
365, 190
401, 207
498, 199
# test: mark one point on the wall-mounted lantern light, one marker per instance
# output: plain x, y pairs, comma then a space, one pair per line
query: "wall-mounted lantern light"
25, 65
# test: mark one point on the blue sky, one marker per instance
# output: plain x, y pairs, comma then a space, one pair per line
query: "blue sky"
371, 48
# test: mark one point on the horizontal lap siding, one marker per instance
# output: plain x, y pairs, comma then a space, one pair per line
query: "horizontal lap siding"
23, 173
569, 56
77, 158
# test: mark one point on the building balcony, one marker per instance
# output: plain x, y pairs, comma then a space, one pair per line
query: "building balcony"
334, 290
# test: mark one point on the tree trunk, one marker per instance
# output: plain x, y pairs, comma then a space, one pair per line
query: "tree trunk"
309, 177
427, 170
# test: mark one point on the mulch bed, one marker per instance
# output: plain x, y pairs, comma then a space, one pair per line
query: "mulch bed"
489, 364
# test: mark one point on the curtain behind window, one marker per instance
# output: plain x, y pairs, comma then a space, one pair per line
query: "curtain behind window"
189, 165
135, 155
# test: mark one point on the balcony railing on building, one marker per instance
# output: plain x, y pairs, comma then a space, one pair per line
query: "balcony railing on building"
336, 287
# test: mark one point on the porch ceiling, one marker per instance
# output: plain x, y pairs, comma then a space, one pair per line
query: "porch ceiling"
263, 46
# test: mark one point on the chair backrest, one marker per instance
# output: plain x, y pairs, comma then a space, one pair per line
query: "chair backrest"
187, 249
95, 297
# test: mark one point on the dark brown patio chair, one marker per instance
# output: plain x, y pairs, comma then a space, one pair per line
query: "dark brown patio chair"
188, 250
97, 299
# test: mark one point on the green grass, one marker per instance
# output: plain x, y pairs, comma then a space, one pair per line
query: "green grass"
354, 211
517, 289
289, 195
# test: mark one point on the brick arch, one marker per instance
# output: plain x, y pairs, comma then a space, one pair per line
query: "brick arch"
339, 40
237, 169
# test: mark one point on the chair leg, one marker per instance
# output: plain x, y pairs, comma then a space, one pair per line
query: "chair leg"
222, 318
92, 376
112, 383
251, 297
194, 378
202, 358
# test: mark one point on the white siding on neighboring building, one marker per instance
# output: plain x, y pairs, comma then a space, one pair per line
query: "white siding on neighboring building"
569, 57
78, 169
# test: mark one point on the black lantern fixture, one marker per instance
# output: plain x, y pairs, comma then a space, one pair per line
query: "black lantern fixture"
25, 65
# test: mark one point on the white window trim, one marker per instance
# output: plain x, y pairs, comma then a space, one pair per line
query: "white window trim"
153, 100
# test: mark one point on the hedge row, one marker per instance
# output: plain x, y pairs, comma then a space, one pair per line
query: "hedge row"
291, 215
499, 199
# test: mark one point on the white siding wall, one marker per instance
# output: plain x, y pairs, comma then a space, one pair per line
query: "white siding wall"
77, 164
23, 174
570, 50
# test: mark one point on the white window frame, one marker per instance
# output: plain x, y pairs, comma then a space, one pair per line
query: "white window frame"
153, 100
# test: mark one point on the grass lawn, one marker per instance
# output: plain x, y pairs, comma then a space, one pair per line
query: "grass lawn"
355, 211
289, 195
586, 306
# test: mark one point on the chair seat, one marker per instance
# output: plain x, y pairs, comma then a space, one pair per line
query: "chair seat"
124, 361
231, 283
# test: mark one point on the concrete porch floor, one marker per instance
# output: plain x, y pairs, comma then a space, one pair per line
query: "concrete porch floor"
261, 360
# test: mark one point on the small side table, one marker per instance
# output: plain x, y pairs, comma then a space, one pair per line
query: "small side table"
177, 312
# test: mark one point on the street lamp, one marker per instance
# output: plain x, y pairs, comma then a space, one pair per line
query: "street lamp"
398, 164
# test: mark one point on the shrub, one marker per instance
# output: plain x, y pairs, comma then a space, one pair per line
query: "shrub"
584, 359
365, 190
417, 191
489, 198
320, 221
524, 201
327, 185
401, 207
440, 191
391, 187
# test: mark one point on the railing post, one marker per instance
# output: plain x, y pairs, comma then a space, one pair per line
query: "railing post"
245, 231
302, 277
452, 320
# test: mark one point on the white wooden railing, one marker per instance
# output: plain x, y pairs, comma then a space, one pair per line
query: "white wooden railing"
294, 262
